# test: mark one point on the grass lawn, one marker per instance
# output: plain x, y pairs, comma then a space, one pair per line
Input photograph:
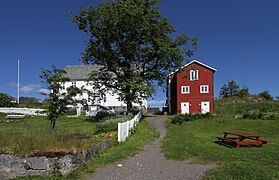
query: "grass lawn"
196, 142
32, 136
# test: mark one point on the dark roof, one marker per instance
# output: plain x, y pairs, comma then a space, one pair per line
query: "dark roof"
80, 72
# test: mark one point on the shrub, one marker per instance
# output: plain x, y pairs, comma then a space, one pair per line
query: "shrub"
100, 116
105, 127
109, 123
181, 118
266, 95
134, 111
260, 115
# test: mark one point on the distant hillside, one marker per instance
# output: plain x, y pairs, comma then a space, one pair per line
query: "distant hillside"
251, 98
249, 106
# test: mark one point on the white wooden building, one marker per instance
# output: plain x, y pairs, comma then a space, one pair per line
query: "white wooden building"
78, 75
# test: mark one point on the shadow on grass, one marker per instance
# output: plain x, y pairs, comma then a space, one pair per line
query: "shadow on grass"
226, 144
229, 144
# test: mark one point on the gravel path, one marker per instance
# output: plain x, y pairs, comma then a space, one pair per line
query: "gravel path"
151, 163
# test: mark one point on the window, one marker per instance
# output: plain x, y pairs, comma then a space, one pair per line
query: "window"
194, 75
204, 89
185, 89
63, 86
74, 84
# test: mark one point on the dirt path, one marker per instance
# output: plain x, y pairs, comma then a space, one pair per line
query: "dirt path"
151, 163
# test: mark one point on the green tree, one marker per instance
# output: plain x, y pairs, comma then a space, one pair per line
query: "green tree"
30, 102
266, 95
229, 89
244, 92
58, 98
132, 43
224, 91
6, 100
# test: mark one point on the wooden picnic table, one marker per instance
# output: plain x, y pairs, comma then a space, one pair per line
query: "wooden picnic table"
240, 138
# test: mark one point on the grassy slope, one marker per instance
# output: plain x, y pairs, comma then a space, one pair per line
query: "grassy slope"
71, 134
196, 142
236, 105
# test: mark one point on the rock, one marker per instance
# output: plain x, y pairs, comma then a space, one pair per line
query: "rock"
37, 163
26, 165
90, 153
238, 117
13, 166
228, 116
66, 164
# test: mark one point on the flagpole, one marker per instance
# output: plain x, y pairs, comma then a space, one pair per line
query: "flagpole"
18, 81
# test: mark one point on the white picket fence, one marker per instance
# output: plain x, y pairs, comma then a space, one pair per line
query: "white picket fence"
124, 129
26, 111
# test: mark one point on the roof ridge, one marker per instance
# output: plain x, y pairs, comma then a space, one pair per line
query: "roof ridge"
193, 61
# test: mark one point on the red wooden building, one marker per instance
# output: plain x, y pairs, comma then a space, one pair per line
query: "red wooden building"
191, 89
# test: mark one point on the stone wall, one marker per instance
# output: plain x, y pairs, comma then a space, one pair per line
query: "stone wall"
13, 166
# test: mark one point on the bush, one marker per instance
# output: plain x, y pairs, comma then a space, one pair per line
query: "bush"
134, 111
266, 95
181, 118
105, 127
260, 115
100, 116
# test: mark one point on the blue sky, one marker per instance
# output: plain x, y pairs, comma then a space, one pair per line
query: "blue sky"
239, 38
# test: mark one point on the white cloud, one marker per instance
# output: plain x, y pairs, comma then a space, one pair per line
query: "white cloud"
29, 88
26, 89
45, 91
159, 102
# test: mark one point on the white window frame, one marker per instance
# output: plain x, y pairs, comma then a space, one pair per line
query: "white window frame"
63, 86
185, 89
204, 89
194, 75
74, 83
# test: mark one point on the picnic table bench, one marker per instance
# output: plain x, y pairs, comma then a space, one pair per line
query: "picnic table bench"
239, 139
15, 116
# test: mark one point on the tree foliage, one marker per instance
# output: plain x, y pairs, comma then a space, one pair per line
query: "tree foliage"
266, 95
6, 100
58, 98
244, 92
229, 89
131, 42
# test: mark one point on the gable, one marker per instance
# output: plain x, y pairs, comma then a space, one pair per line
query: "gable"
192, 63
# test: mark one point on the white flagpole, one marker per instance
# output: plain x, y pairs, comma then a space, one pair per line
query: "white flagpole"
18, 64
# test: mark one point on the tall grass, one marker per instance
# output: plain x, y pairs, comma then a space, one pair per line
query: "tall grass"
33, 136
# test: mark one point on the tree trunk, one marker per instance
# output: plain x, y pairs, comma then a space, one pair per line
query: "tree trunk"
129, 106
53, 124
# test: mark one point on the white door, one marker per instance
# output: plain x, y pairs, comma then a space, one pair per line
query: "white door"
205, 108
185, 108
